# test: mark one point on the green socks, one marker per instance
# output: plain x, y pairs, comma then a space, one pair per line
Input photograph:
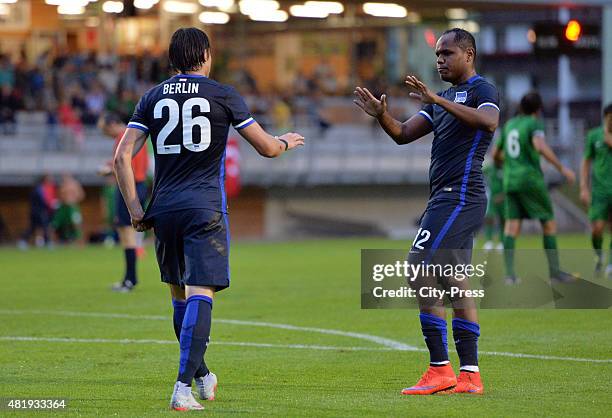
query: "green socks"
597, 246
509, 243
550, 245
488, 231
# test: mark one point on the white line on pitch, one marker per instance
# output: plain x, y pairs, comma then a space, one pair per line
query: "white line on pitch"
388, 344
385, 342
174, 342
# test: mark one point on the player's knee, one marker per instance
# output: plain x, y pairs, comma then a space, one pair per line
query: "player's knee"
177, 292
127, 236
598, 228
438, 311
199, 290
549, 227
512, 227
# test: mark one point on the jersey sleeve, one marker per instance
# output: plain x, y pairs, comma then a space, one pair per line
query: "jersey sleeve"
240, 117
427, 112
589, 151
487, 96
139, 119
538, 129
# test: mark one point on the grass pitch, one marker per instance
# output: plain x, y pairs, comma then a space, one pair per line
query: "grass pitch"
115, 355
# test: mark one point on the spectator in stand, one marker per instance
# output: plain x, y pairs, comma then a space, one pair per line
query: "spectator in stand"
325, 77
52, 138
301, 83
281, 114
36, 86
9, 103
43, 202
313, 109
69, 120
7, 72
94, 104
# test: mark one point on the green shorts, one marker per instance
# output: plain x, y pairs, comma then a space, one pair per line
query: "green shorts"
533, 203
601, 207
67, 222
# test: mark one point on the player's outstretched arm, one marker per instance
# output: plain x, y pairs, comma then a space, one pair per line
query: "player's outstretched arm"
131, 142
268, 145
484, 119
402, 133
539, 143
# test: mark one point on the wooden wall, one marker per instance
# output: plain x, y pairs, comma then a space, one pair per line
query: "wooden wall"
246, 211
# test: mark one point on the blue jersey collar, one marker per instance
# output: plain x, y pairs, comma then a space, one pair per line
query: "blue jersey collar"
473, 78
190, 76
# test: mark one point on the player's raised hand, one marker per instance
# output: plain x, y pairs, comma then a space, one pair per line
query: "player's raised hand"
370, 104
423, 93
293, 140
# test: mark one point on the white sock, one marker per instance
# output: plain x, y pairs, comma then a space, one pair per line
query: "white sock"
182, 388
469, 368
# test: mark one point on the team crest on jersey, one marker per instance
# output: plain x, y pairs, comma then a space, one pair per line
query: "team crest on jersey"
460, 96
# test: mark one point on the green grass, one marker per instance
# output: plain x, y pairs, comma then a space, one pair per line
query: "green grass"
307, 284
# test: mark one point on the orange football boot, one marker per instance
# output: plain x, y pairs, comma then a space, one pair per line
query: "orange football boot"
435, 379
469, 382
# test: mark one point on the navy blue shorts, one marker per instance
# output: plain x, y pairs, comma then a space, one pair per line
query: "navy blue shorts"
122, 215
192, 248
448, 226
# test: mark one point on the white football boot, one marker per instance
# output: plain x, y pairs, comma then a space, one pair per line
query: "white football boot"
207, 386
183, 400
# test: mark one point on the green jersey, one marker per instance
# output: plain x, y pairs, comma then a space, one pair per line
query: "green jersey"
600, 153
521, 159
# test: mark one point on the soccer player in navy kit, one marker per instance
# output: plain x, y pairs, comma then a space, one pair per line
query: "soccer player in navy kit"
188, 118
463, 119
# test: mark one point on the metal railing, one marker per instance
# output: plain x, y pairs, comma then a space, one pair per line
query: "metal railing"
342, 154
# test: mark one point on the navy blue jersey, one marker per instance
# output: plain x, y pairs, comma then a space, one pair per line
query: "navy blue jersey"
188, 118
458, 150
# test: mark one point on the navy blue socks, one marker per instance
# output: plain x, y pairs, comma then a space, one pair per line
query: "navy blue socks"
130, 265
434, 331
195, 332
179, 314
466, 335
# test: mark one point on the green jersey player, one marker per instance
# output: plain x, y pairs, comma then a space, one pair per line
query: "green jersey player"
526, 197
494, 217
596, 185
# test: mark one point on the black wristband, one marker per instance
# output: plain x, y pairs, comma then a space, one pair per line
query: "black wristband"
284, 142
